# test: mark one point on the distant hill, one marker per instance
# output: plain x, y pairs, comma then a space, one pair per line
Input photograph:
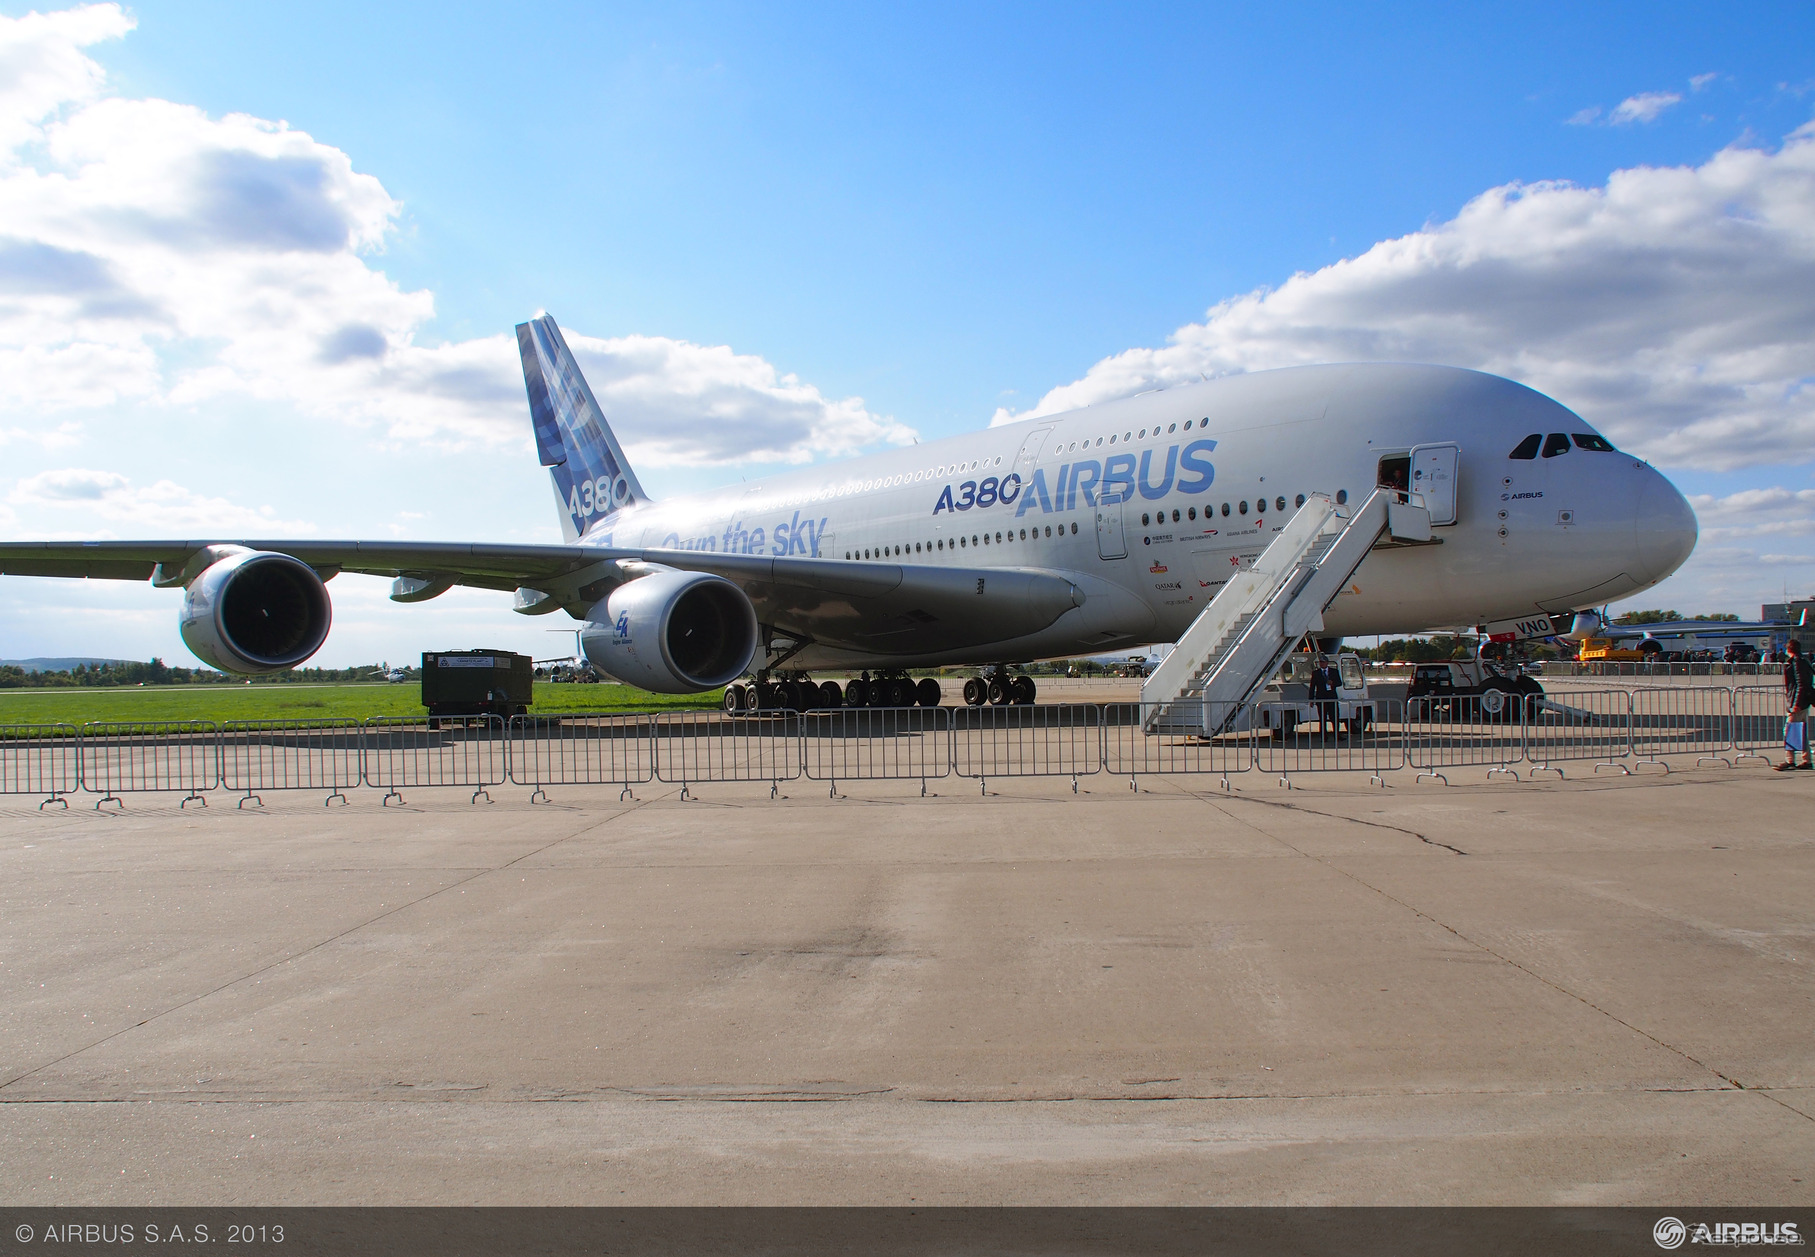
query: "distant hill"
55, 665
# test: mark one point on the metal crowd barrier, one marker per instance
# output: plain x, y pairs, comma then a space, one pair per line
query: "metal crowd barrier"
1464, 731
260, 755
1758, 721
1178, 745
1682, 720
695, 746
404, 751
1578, 725
877, 744
581, 748
126, 757
1373, 744
1062, 740
40, 759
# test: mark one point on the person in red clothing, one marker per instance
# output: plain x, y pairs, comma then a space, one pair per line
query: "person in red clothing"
1799, 696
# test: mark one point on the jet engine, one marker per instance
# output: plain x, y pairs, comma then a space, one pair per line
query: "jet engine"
672, 632
254, 611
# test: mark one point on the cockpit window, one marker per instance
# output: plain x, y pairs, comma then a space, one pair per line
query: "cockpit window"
1589, 441
1556, 443
1528, 448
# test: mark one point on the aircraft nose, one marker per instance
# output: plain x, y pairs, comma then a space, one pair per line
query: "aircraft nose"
1664, 525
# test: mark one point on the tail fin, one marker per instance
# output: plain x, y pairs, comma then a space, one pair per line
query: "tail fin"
592, 478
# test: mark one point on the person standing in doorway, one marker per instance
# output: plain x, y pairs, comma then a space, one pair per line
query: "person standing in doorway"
1799, 696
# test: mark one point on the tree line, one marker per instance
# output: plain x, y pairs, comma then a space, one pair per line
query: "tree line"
157, 672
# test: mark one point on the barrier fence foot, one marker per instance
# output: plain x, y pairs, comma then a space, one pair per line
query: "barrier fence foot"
1546, 768
1131, 784
626, 794
775, 789
1427, 776
1640, 763
248, 798
333, 795
1377, 780
923, 787
684, 795
1285, 781
1712, 759
193, 797
481, 790
1074, 783
109, 798
832, 789
1227, 784
538, 795
1607, 763
1502, 768
1763, 759
392, 794
57, 798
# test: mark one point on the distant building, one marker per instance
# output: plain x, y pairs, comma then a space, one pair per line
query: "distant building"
1799, 615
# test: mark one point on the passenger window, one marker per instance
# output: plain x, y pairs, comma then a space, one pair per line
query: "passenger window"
1342, 497
1145, 519
1225, 510
1279, 504
1243, 508
1175, 515
1396, 472
1299, 500
1556, 443
1589, 441
1191, 514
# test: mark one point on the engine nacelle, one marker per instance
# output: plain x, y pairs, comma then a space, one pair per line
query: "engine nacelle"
255, 611
673, 632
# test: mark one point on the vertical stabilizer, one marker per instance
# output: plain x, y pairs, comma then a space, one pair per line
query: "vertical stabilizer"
592, 478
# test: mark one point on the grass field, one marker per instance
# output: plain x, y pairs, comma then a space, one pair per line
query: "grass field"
349, 701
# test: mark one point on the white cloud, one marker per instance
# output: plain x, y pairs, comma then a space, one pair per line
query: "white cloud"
82, 502
1699, 81
1674, 308
1585, 117
153, 254
62, 436
1645, 107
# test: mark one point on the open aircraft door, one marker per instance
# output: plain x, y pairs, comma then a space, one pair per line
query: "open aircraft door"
1434, 470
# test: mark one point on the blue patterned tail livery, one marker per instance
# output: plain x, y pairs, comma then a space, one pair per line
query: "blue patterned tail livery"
592, 478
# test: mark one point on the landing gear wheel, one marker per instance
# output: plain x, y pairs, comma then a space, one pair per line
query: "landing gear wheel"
734, 700
1024, 691
998, 692
975, 692
751, 699
830, 696
928, 692
857, 692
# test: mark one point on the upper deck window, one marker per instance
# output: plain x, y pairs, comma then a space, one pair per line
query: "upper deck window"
1556, 443
1590, 441
1528, 448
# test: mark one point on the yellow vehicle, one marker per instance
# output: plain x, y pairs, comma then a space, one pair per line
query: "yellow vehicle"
1602, 650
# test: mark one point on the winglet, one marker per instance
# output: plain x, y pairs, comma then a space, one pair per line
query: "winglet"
592, 478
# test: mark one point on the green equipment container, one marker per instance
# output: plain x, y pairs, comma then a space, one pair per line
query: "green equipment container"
476, 683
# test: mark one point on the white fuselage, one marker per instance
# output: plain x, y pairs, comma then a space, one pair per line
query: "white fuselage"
1151, 502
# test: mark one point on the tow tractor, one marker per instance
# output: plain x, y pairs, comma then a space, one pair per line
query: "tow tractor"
1456, 689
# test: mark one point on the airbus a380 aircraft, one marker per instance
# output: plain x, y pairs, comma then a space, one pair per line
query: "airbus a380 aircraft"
1068, 534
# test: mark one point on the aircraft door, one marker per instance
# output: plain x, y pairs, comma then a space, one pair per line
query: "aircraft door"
1111, 544
1434, 470
1029, 453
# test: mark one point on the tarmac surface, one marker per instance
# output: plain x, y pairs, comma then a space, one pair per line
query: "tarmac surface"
1594, 991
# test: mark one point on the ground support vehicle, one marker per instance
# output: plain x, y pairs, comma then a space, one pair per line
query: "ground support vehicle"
476, 683
1457, 689
1285, 703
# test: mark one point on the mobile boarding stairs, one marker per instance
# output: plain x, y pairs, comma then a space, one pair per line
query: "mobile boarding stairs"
1244, 635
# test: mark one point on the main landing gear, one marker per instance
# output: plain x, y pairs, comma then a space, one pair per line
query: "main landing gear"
999, 689
801, 693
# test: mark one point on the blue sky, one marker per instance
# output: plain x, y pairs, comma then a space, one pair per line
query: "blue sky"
790, 232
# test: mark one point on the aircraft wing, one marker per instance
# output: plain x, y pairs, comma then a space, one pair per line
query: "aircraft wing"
866, 605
